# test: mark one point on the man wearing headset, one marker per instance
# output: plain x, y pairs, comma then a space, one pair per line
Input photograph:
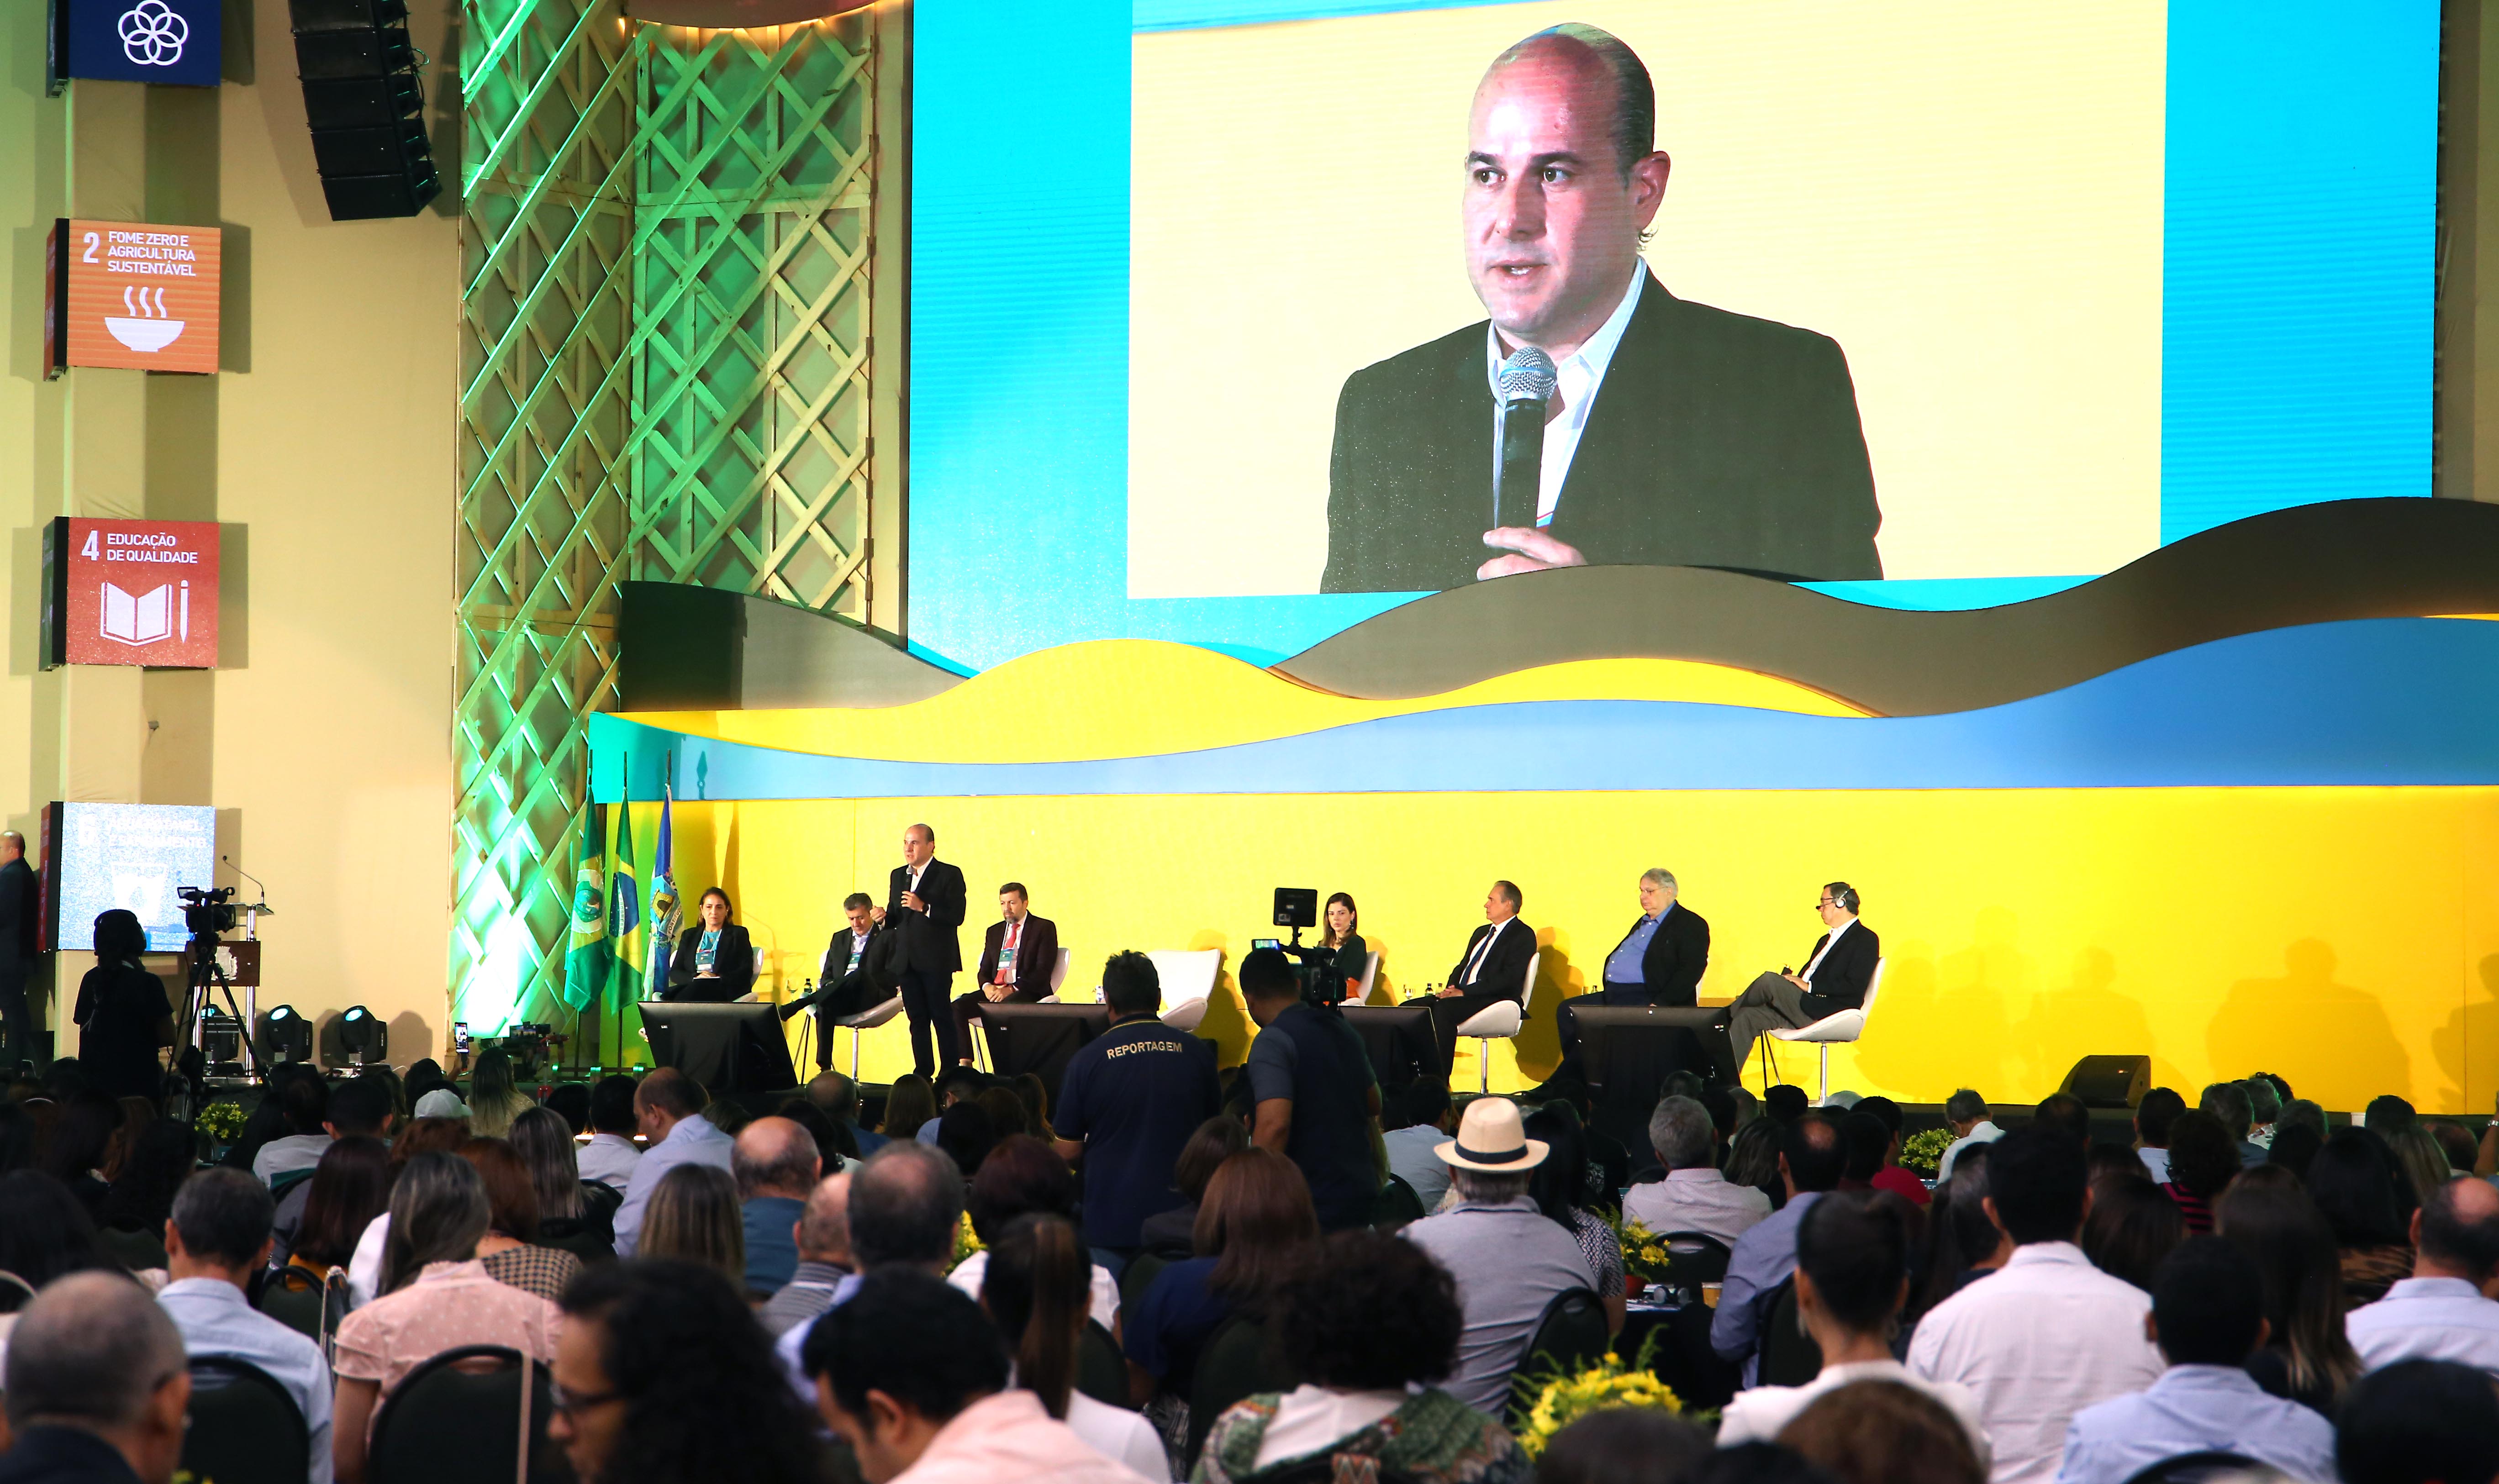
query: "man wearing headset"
1833, 978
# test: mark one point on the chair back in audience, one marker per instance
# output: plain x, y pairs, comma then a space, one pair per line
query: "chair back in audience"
1572, 1335
280, 1184
1140, 1277
310, 1306
1694, 1258
1241, 1360
16, 1293
1398, 1204
2205, 1468
243, 1427
1101, 1370
1790, 1357
136, 1251
457, 1420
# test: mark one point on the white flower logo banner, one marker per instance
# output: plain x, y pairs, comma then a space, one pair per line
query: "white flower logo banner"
152, 35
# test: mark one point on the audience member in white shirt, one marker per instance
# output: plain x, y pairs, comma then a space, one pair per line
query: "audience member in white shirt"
2159, 1108
219, 1237
610, 1153
1694, 1195
1965, 1114
1035, 1288
2048, 1336
1852, 1278
304, 1104
2207, 1317
668, 1108
2442, 1312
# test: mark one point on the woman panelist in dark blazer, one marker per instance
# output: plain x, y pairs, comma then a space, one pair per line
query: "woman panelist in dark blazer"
715, 961
1338, 957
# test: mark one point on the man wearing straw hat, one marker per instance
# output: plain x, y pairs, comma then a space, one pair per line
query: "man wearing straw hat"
1509, 1259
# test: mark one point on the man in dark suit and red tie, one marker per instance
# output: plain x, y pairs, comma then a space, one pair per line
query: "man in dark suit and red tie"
1494, 967
1833, 978
925, 899
1017, 955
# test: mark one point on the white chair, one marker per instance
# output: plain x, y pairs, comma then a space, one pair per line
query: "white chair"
1498, 1020
1187, 977
1369, 972
1840, 1029
1058, 973
867, 1019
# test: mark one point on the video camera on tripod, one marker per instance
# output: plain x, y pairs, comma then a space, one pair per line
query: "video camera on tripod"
208, 911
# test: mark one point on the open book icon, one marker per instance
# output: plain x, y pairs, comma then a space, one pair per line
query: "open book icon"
140, 619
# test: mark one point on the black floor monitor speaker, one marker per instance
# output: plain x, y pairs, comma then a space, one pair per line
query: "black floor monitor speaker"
364, 99
2110, 1081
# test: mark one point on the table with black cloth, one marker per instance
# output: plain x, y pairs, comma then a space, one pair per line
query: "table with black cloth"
1039, 1039
1682, 1359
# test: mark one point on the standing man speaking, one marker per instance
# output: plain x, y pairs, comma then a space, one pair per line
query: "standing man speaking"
924, 901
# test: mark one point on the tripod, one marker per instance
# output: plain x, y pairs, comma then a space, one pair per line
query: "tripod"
207, 977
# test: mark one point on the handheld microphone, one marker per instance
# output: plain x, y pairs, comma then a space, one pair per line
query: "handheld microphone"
1526, 381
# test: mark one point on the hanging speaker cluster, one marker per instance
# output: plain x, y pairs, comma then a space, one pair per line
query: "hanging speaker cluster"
366, 103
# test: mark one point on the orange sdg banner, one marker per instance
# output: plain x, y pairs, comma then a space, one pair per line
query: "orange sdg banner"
132, 294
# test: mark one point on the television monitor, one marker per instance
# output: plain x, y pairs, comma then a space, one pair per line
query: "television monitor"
99, 857
727, 1048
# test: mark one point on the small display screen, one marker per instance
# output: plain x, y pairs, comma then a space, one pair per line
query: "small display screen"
1266, 942
132, 855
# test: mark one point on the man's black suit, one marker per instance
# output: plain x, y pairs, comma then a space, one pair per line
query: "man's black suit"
1670, 969
1771, 1003
1716, 441
842, 990
1036, 959
1502, 975
17, 911
732, 964
932, 957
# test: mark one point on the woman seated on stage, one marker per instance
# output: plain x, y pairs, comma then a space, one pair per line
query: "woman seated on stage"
1338, 956
715, 960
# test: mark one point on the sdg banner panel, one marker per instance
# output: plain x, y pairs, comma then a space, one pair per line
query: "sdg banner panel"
99, 857
1930, 304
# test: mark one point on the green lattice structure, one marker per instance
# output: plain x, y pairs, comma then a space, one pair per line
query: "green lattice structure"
666, 305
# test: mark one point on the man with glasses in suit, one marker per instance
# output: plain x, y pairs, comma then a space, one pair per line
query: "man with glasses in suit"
1833, 978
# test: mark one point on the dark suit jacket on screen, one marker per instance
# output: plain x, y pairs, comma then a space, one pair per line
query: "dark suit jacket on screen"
1716, 441
733, 961
928, 942
1677, 952
1839, 981
1505, 969
1036, 957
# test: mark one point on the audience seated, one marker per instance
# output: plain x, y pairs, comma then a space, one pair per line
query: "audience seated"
915, 1378
2066, 1113
1411, 1160
1965, 1114
1510, 1261
358, 1109
2132, 1226
909, 1103
1034, 1288
1809, 1165
1694, 1195
97, 1386
510, 1249
2154, 1118
2352, 1181
1891, 1177
1753, 1160
693, 1217
2203, 1158
667, 1109
964, 1132
217, 1236
2440, 1313
2264, 1109
1785, 1103
2048, 1336
2306, 1356
494, 1098
44, 1231
839, 1098
1172, 1233
905, 1203
823, 1243
1371, 1326
158, 1154
610, 1155
575, 1214
776, 1164
2419, 1422
1623, 1445
1885, 1432
2207, 1317
835, 1149
2424, 1162
349, 1187
1561, 1188
435, 1295
1255, 1224
2388, 1116
418, 1135
1022, 1178
304, 1103
662, 1378
1852, 1278
2229, 1103
1964, 1241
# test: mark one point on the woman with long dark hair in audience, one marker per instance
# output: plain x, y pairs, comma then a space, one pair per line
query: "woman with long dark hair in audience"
578, 1219
2306, 1357
1963, 1245
1256, 1222
123, 1014
1023, 1176
75, 1156
1559, 1187
695, 1217
436, 1296
1753, 1159
1371, 1325
156, 1157
2203, 1160
351, 1187
1173, 1233
2425, 1164
908, 1104
44, 1231
2132, 1225
510, 1249
2352, 1181
1035, 1286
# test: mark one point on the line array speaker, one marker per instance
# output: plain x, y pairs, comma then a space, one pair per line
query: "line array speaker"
366, 104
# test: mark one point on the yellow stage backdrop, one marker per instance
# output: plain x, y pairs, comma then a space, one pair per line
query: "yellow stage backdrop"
2346, 937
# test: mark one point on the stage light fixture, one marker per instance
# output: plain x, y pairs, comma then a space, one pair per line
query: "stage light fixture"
364, 1035
283, 1035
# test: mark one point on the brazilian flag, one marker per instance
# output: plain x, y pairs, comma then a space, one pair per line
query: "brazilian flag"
586, 959
624, 912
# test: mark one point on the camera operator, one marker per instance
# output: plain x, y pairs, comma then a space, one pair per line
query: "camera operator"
122, 1013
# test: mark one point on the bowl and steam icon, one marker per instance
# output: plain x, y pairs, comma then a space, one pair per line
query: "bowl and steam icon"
145, 327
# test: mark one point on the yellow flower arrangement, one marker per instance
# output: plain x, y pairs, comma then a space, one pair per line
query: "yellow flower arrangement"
966, 1243
1922, 1152
1610, 1383
221, 1121
1645, 1253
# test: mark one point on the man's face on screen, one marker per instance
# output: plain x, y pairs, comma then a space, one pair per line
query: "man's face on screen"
1552, 225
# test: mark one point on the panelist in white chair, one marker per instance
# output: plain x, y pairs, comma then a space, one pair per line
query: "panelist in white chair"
1659, 963
1017, 955
1494, 967
1833, 978
861, 969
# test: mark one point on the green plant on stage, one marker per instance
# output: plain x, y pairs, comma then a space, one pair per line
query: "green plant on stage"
1922, 1152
